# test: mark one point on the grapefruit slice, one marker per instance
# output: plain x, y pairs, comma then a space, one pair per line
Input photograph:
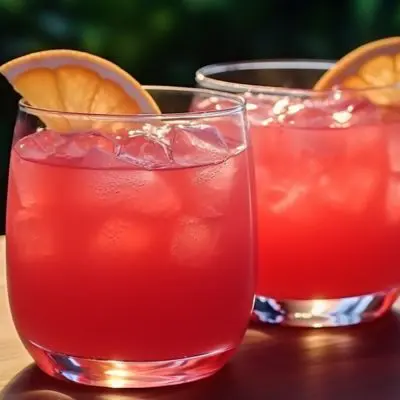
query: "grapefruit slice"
76, 82
374, 66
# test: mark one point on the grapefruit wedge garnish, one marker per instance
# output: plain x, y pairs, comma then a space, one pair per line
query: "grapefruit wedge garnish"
76, 82
373, 68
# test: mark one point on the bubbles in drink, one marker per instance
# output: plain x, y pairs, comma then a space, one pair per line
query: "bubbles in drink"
211, 188
146, 192
216, 177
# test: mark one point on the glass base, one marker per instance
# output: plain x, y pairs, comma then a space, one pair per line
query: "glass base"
324, 312
127, 374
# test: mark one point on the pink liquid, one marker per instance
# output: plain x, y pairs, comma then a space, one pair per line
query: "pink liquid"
328, 198
325, 234
126, 264
328, 209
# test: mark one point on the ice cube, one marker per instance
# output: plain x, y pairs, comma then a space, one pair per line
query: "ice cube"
144, 192
259, 116
265, 109
211, 188
90, 150
337, 110
123, 237
39, 145
32, 233
289, 196
194, 242
34, 184
153, 195
67, 149
349, 188
393, 200
146, 151
198, 144
343, 127
87, 150
101, 159
364, 142
78, 145
269, 194
281, 199
231, 129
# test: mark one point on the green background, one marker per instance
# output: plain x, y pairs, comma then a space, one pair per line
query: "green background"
165, 41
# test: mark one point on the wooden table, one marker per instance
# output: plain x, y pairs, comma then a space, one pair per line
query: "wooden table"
273, 364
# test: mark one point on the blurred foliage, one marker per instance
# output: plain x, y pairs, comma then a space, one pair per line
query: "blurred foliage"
165, 41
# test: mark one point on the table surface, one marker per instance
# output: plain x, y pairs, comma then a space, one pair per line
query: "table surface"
274, 363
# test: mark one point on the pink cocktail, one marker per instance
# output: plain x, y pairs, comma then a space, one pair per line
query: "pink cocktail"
328, 193
128, 248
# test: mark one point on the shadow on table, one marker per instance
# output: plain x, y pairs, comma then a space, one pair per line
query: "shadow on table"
33, 384
273, 364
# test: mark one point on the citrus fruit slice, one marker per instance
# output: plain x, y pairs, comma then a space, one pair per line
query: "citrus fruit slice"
76, 82
375, 66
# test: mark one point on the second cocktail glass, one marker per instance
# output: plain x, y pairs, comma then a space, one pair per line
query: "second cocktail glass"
328, 192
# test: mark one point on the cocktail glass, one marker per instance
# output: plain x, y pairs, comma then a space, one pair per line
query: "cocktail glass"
130, 238
327, 170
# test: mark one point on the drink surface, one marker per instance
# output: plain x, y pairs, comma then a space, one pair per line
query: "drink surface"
112, 261
328, 194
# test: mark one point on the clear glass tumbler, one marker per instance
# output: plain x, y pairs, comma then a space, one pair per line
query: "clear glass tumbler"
128, 238
327, 168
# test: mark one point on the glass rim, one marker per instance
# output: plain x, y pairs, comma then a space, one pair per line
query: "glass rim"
240, 106
203, 78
